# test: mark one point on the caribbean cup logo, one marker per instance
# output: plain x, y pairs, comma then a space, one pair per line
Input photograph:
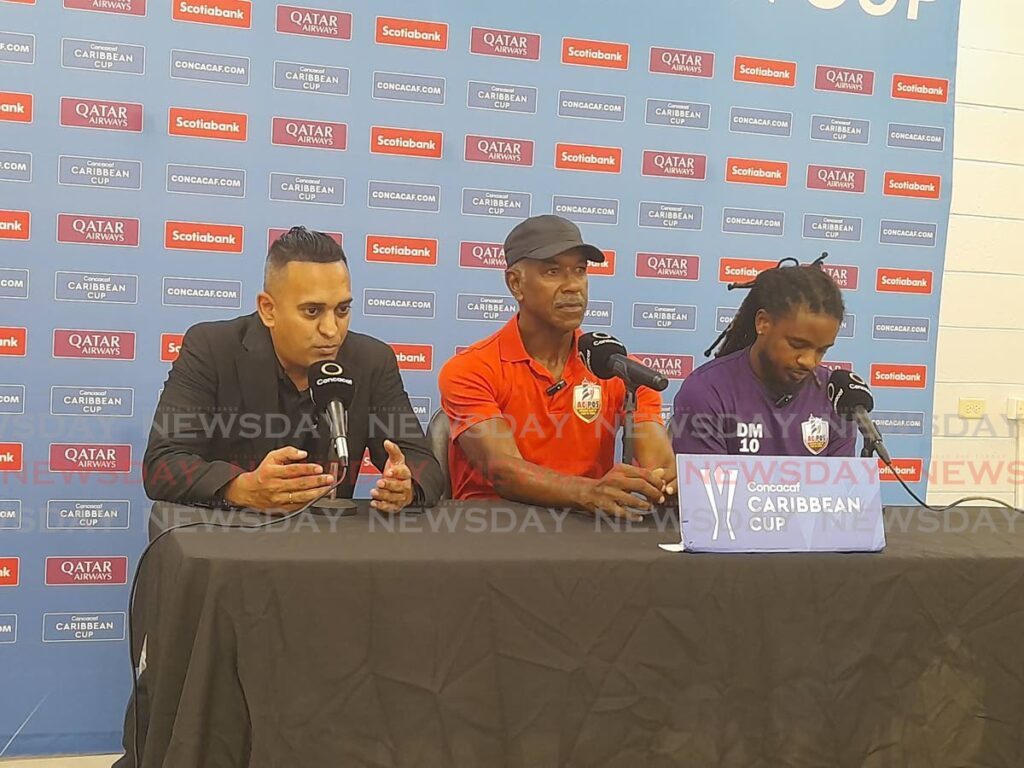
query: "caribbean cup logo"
720, 486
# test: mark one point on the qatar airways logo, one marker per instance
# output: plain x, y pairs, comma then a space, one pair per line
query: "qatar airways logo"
912, 8
86, 571
90, 457
314, 22
93, 345
97, 230
102, 115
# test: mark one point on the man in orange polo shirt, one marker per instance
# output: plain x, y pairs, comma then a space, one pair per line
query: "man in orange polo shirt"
529, 422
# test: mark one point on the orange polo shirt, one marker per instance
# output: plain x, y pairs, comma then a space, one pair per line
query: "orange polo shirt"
573, 431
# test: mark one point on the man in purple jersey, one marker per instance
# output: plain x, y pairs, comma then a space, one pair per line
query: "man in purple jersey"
766, 392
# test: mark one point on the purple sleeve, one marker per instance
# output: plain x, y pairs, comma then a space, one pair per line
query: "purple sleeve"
845, 441
696, 412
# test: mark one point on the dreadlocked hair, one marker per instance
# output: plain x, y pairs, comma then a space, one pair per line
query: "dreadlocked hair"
778, 291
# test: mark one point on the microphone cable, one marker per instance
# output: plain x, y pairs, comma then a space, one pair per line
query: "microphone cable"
138, 570
957, 503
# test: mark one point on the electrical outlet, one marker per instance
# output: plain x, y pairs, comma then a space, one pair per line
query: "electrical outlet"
971, 408
1015, 408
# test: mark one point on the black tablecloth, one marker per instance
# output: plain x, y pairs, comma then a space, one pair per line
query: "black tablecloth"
500, 635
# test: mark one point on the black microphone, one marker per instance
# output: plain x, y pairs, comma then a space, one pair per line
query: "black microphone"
332, 392
555, 388
605, 356
851, 397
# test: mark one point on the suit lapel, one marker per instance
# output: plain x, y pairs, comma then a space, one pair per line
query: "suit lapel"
257, 374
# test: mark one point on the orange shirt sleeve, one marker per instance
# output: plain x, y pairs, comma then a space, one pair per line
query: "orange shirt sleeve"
468, 385
648, 406
648, 403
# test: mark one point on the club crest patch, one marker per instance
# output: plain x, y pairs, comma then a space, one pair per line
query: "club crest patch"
815, 432
587, 399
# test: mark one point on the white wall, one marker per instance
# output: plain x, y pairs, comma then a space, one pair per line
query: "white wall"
981, 319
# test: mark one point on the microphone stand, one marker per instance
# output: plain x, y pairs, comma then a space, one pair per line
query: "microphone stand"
629, 409
330, 504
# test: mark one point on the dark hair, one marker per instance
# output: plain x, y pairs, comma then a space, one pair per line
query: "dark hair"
778, 291
301, 244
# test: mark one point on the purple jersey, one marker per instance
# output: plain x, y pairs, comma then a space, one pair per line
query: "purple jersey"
723, 408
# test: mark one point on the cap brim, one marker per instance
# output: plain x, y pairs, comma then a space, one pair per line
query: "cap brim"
553, 249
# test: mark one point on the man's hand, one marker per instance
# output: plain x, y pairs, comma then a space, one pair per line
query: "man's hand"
614, 493
280, 482
394, 489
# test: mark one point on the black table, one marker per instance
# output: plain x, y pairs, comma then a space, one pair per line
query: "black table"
500, 635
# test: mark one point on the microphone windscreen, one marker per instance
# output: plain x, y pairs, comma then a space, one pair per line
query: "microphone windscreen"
328, 381
596, 350
847, 390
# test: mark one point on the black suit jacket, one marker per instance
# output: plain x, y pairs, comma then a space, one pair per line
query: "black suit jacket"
211, 422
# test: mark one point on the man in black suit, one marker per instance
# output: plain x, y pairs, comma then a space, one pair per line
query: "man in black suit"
235, 424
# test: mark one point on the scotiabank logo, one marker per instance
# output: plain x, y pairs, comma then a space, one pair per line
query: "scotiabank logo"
669, 366
835, 178
223, 13
84, 229
845, 277
910, 470
12, 457
101, 115
920, 185
407, 142
602, 269
197, 236
93, 345
314, 22
15, 225
899, 376
674, 165
275, 232
10, 571
769, 173
904, 281
414, 357
125, 7
595, 53
476, 255
401, 250
207, 124
494, 149
170, 346
412, 33
747, 69
90, 457
583, 157
86, 571
15, 107
934, 89
13, 341
367, 467
741, 270
312, 134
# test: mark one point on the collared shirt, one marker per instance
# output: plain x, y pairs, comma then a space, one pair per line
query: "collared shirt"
570, 428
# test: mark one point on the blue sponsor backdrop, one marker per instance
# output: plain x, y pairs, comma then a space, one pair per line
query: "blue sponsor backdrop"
64, 691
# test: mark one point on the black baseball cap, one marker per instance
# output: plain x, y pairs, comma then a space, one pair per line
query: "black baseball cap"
544, 237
